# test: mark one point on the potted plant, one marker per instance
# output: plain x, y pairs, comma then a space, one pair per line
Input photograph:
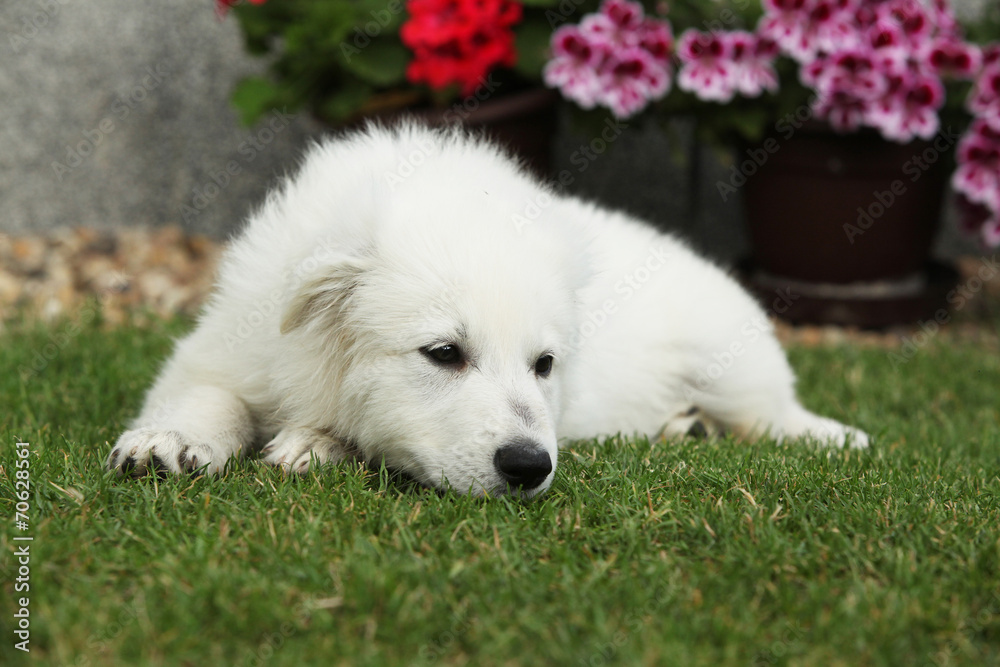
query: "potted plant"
477, 63
845, 116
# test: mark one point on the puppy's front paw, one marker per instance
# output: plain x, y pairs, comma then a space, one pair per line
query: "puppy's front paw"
855, 438
296, 449
835, 434
143, 450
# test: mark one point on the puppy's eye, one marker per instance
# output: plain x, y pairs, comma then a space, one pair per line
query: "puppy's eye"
445, 355
544, 365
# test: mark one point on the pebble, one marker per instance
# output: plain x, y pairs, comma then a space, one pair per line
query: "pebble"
50, 276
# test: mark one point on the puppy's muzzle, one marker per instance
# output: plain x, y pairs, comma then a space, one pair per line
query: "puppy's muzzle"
522, 464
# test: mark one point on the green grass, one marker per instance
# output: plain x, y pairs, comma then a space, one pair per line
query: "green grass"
682, 553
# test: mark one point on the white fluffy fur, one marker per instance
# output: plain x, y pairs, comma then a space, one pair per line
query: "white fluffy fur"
390, 241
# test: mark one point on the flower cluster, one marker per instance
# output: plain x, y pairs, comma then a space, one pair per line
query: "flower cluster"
617, 58
718, 65
870, 63
884, 64
878, 63
977, 178
458, 41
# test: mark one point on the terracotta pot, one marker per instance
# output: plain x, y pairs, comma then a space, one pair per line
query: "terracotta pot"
846, 223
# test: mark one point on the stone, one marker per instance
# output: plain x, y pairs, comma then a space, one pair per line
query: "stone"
27, 255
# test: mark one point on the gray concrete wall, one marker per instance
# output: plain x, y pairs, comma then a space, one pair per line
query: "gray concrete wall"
117, 112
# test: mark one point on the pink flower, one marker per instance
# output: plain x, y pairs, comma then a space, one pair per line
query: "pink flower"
783, 22
917, 23
656, 37
630, 79
616, 58
830, 27
806, 28
889, 45
971, 216
944, 19
574, 67
991, 231
953, 58
853, 71
991, 55
853, 85
985, 98
845, 112
626, 16
977, 179
978, 173
708, 70
753, 59
977, 219
909, 109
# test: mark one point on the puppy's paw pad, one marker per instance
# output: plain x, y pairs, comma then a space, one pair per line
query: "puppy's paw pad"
201, 459
296, 450
141, 451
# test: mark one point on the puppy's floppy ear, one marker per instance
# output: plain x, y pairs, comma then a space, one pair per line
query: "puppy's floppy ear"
326, 295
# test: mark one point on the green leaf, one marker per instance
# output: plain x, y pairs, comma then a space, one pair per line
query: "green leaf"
382, 62
253, 97
348, 99
750, 123
532, 44
380, 17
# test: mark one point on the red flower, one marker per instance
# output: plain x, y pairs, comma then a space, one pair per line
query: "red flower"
459, 41
222, 6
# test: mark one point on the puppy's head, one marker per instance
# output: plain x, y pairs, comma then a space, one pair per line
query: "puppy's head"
440, 341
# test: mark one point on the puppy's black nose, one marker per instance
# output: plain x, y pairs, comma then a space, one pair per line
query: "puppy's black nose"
523, 464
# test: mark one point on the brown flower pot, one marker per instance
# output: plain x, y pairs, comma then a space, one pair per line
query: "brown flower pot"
842, 225
524, 121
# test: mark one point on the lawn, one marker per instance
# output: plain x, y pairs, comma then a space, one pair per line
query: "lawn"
665, 553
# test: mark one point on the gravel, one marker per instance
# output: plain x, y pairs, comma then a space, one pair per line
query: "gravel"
137, 271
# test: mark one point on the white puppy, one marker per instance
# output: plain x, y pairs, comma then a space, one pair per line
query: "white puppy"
413, 297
